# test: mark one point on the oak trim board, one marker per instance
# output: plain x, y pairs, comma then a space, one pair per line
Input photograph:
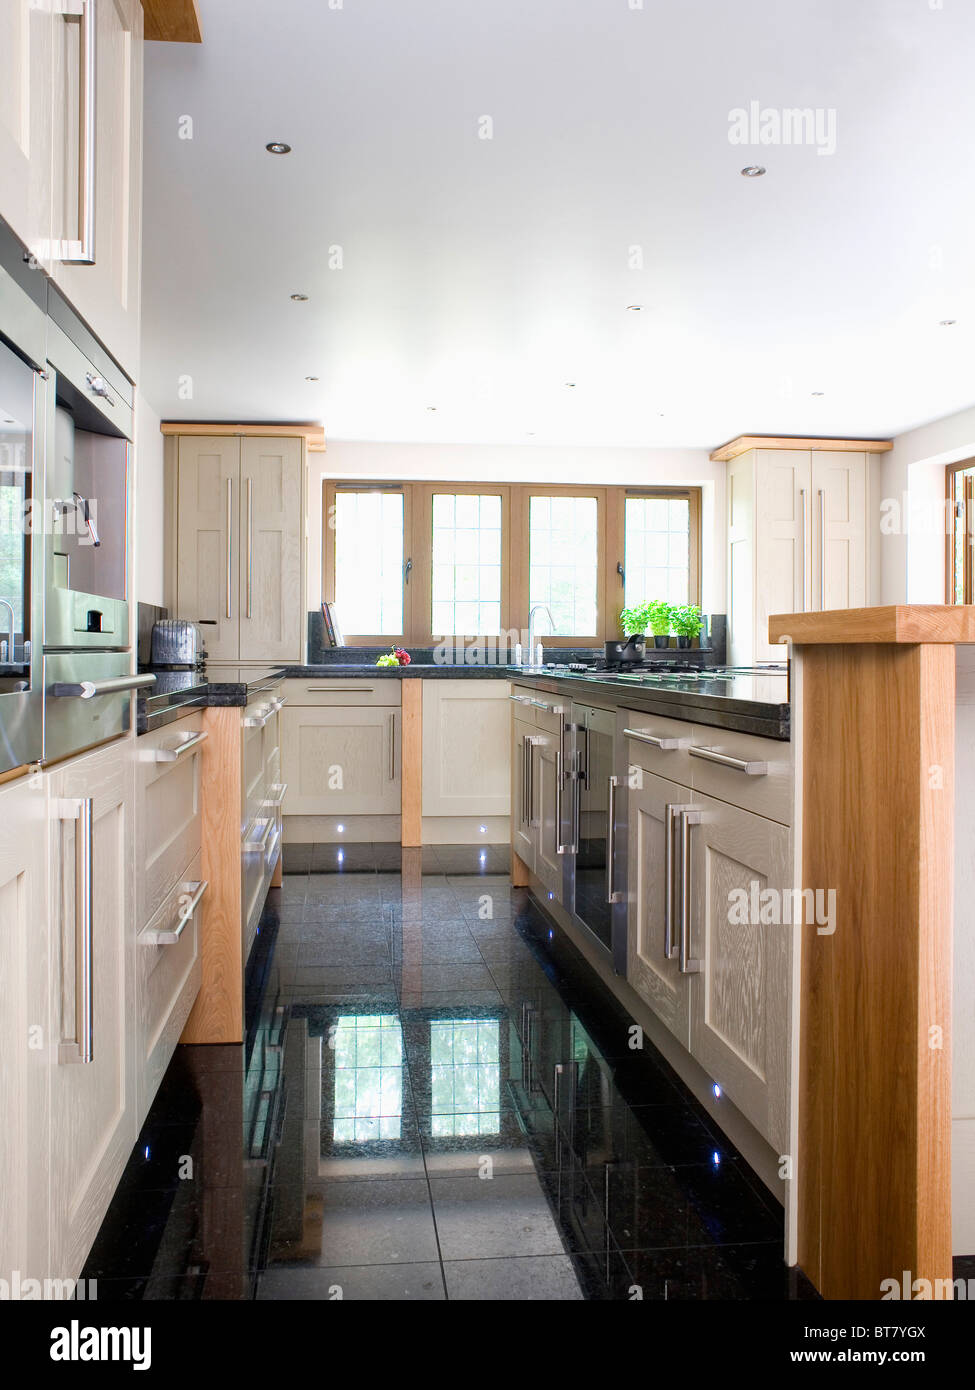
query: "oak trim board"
411, 765
874, 1166
743, 442
900, 623
172, 21
218, 1013
312, 434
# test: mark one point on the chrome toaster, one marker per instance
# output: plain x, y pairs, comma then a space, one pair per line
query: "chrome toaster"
176, 642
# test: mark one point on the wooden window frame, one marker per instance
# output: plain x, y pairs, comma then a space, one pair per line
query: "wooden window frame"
515, 503
951, 502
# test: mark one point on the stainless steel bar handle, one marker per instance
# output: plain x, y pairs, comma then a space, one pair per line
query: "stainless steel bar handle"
612, 896
173, 755
585, 769
278, 703
522, 699
260, 844
822, 550
803, 532
530, 742
392, 747
686, 963
525, 814
250, 543
89, 690
751, 767
230, 523
669, 946
171, 935
273, 803
642, 737
81, 251
82, 1048
338, 690
560, 848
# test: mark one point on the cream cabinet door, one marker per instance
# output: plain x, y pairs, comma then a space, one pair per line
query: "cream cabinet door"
547, 811
93, 1113
839, 558
652, 967
740, 1027
522, 828
27, 31
106, 293
25, 1041
466, 748
208, 512
272, 607
782, 531
340, 761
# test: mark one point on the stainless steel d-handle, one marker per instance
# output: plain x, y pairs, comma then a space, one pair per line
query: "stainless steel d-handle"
822, 550
803, 535
524, 781
90, 690
667, 744
230, 523
612, 896
250, 542
530, 744
686, 963
81, 1049
751, 767
173, 755
81, 251
171, 935
392, 747
669, 948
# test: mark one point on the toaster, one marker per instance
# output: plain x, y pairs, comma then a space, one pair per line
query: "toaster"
176, 642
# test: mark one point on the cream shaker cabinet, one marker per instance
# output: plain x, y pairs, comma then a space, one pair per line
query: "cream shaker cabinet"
342, 760
797, 540
466, 748
27, 37
25, 1030
240, 544
93, 1111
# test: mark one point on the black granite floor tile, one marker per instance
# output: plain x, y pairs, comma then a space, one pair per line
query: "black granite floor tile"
377, 1283
361, 1223
525, 1279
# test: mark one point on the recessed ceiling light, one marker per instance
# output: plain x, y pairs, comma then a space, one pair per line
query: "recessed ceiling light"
299, 298
278, 147
633, 308
947, 323
432, 409
311, 378
818, 393
753, 171
570, 383
529, 434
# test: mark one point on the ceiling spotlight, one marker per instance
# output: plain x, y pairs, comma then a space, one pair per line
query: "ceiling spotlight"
570, 383
432, 409
633, 308
753, 171
299, 298
278, 147
311, 378
947, 323
818, 393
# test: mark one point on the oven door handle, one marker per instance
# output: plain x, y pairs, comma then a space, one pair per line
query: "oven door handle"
90, 690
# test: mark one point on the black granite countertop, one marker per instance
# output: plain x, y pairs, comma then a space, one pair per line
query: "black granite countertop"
176, 693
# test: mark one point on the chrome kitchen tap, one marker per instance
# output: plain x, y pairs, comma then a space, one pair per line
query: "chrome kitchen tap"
539, 608
8, 648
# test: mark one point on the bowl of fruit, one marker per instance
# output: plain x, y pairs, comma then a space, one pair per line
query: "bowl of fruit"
395, 657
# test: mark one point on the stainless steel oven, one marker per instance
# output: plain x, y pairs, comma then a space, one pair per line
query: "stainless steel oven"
23, 395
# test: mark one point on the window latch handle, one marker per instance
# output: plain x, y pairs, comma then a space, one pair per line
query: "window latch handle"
406, 571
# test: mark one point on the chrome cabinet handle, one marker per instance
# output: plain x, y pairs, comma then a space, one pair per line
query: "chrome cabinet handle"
822, 550
612, 896
169, 936
669, 948
522, 699
259, 845
750, 767
524, 782
803, 531
392, 747
250, 543
686, 963
278, 703
585, 767
274, 803
89, 690
98, 386
338, 690
665, 743
173, 755
81, 251
257, 721
230, 523
530, 743
82, 1049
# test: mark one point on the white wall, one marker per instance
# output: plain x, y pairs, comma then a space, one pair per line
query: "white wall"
521, 464
912, 553
149, 499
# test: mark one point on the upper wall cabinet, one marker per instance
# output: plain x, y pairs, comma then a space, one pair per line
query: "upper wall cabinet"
240, 544
71, 153
798, 536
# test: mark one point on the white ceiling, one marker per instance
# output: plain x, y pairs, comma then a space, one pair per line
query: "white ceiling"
480, 276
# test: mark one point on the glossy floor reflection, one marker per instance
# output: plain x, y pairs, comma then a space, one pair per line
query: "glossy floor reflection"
435, 1100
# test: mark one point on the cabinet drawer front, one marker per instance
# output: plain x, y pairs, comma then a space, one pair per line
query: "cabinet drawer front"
352, 690
168, 975
657, 743
169, 809
550, 712
763, 783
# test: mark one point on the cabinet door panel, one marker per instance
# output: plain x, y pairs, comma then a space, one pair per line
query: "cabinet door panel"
466, 748
26, 76
549, 864
740, 1025
522, 834
272, 615
340, 761
782, 529
208, 524
92, 1104
655, 976
839, 490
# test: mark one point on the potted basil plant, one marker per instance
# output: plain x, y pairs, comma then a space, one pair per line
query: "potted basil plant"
633, 622
686, 620
659, 618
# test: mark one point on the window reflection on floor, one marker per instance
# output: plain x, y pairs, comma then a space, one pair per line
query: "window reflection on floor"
368, 1078
465, 1076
